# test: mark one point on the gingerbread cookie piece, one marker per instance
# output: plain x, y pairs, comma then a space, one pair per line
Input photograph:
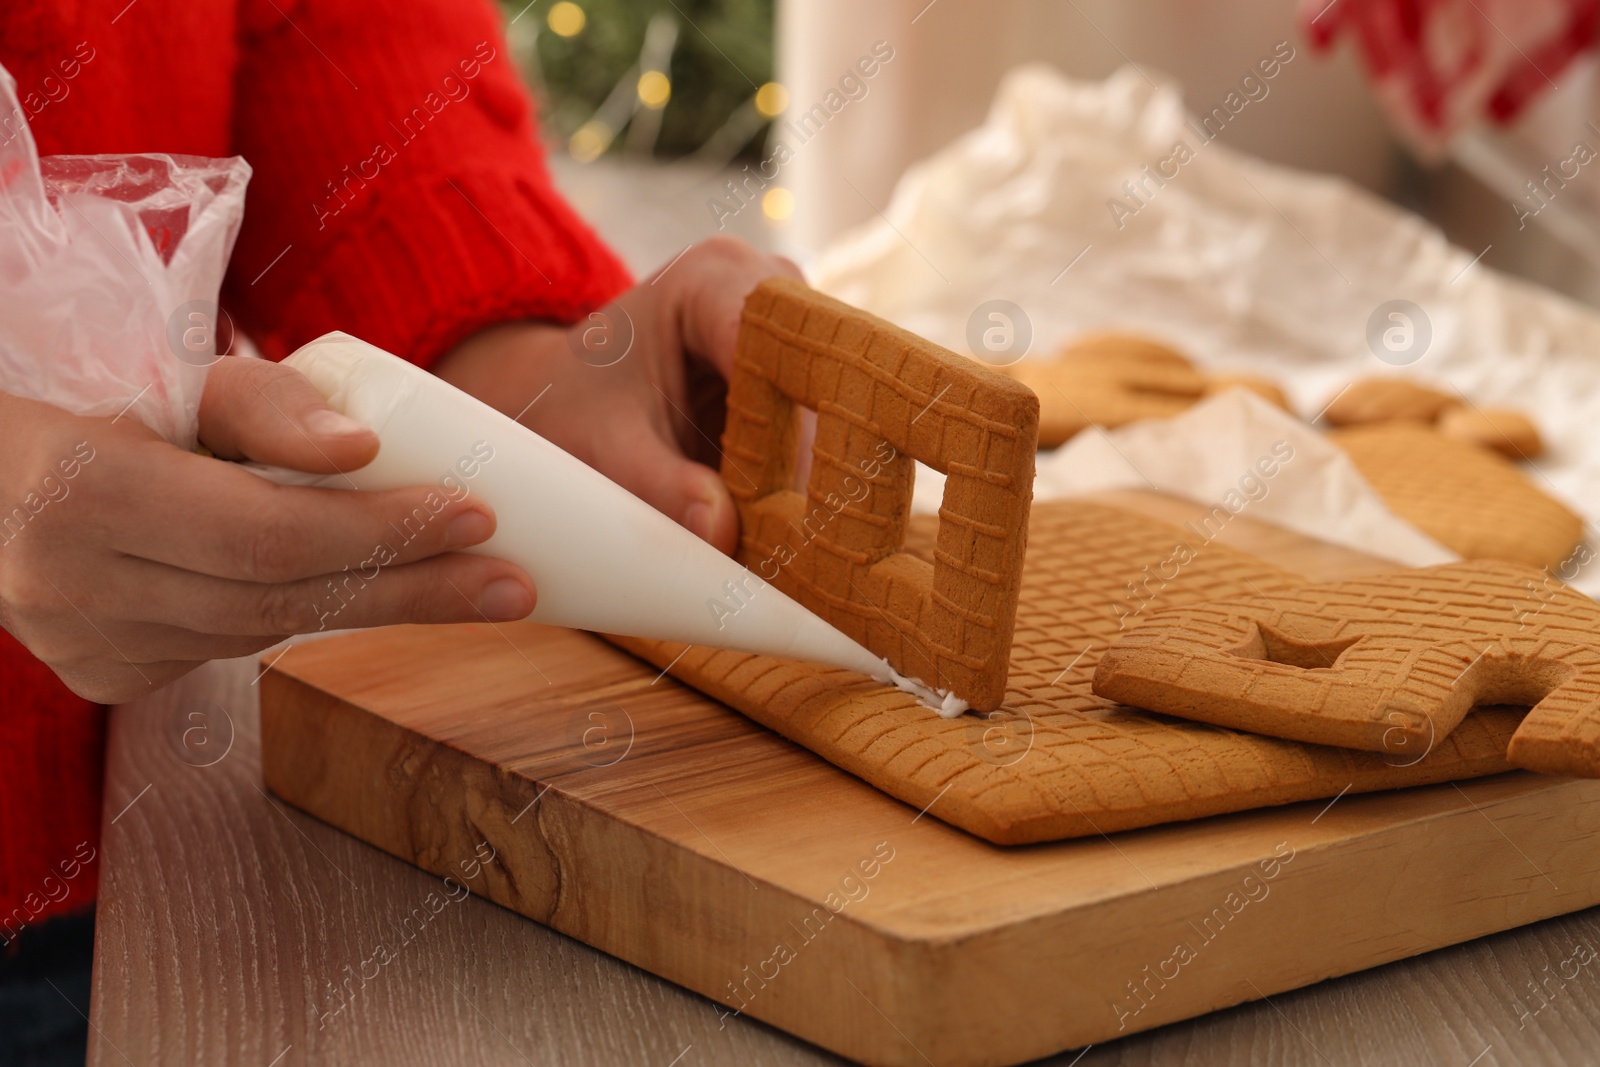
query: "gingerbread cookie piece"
883, 398
1109, 380
1467, 498
1510, 433
1056, 760
1390, 663
1378, 400
1142, 358
1265, 388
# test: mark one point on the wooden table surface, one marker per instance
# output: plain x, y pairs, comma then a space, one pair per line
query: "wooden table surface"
217, 898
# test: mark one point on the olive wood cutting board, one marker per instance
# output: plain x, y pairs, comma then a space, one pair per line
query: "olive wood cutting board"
643, 818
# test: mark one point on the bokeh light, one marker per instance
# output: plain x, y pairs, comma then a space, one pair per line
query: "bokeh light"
590, 142
777, 203
655, 89
772, 99
566, 19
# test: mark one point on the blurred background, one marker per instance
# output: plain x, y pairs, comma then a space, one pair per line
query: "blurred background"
652, 106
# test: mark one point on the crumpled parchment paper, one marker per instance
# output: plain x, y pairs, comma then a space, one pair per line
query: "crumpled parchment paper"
1242, 264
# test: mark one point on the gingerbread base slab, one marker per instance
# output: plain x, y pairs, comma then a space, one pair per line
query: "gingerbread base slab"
634, 814
1056, 760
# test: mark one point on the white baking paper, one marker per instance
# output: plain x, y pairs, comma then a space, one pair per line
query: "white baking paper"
1243, 265
1219, 453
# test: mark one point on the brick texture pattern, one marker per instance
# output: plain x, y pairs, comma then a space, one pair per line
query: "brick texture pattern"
883, 397
1056, 760
1389, 663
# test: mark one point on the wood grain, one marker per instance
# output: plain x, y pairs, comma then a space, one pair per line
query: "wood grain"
222, 911
225, 916
710, 840
218, 914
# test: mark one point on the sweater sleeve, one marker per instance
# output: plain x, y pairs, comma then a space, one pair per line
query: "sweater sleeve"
399, 191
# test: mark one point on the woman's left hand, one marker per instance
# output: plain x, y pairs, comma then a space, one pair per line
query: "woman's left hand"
634, 390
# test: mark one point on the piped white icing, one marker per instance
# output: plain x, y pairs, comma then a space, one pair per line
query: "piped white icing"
945, 703
824, 644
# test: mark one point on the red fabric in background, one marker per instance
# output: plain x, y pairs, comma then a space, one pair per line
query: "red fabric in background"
53, 745
1441, 66
399, 194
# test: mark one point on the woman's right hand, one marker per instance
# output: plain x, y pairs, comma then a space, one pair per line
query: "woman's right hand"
126, 562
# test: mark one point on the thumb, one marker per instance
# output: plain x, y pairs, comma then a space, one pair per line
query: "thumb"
258, 410
712, 287
691, 494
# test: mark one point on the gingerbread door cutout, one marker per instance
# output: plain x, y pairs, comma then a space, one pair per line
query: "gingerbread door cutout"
1390, 663
883, 398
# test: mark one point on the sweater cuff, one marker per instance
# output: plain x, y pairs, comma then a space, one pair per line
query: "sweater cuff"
428, 264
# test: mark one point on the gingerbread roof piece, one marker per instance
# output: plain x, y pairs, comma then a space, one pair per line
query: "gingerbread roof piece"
1390, 663
883, 398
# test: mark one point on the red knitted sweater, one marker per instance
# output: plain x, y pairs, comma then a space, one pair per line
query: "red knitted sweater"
399, 194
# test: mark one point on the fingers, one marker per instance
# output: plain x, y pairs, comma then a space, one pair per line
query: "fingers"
711, 283
142, 644
150, 560
709, 511
448, 588
115, 680
206, 618
212, 517
255, 409
690, 494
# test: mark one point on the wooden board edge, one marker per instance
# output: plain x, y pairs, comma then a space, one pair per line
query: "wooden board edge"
1461, 873
544, 875
975, 1001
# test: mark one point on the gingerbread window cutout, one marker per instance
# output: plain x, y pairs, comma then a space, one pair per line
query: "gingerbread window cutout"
883, 398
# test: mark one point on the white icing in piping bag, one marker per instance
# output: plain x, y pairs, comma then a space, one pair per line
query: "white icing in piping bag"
601, 558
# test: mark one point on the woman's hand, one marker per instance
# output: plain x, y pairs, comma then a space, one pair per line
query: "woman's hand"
126, 562
634, 390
